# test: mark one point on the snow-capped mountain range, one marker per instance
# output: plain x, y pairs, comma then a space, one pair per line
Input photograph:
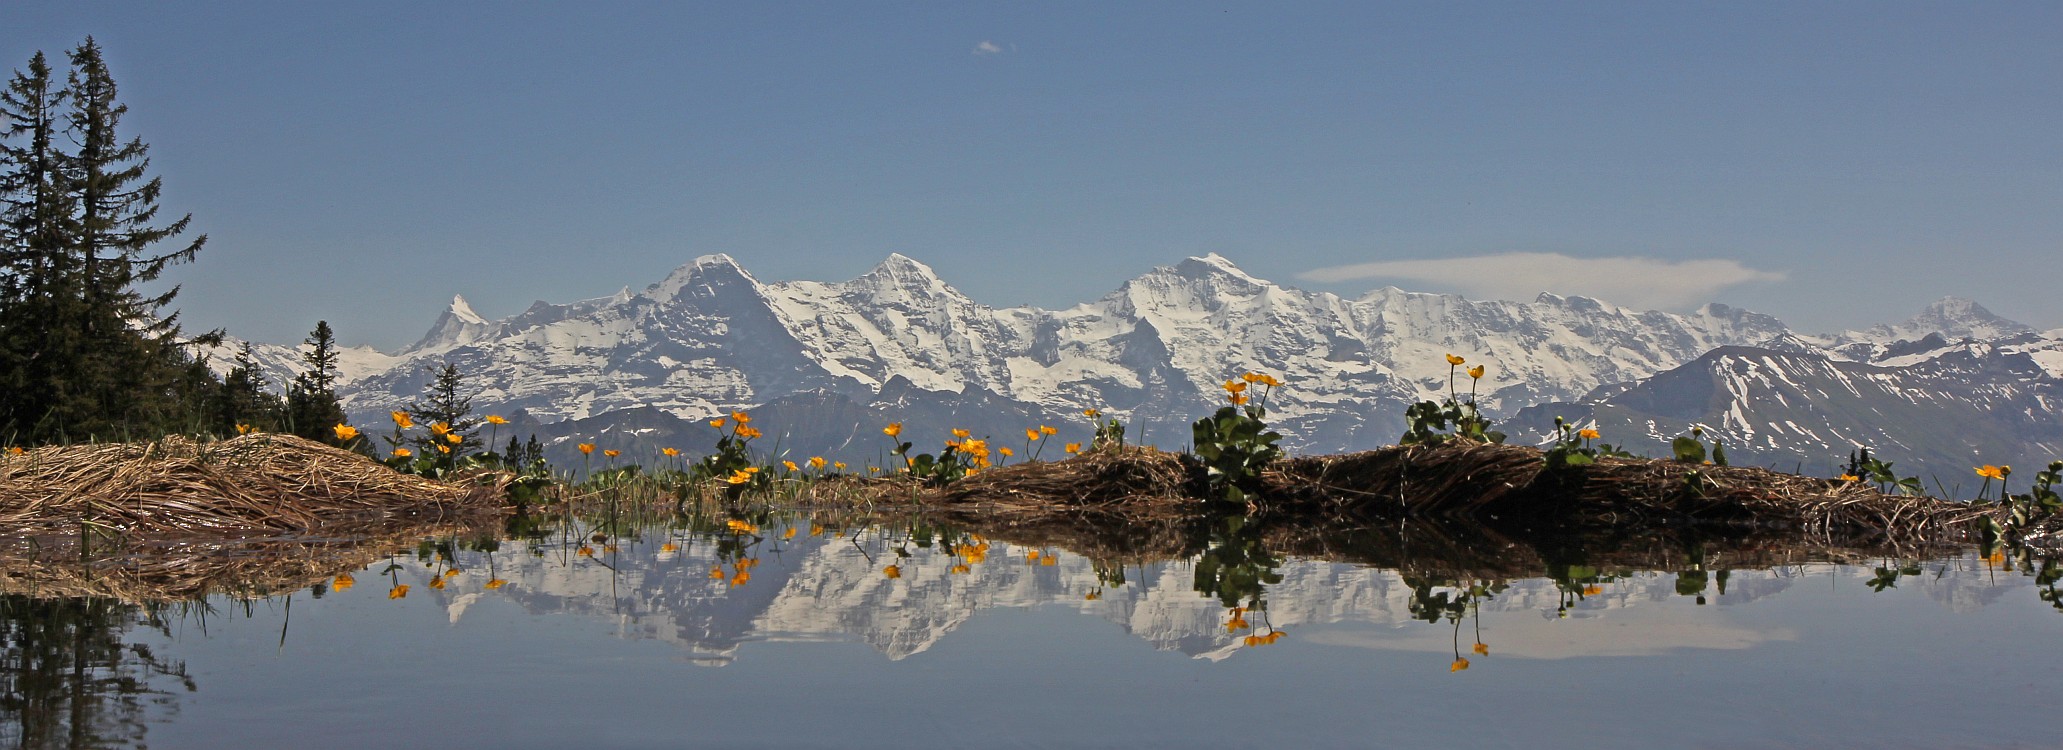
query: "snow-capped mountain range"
836, 360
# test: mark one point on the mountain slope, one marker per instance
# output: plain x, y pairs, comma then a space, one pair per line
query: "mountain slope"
1969, 405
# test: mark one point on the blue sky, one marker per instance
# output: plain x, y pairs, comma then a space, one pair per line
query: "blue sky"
1835, 164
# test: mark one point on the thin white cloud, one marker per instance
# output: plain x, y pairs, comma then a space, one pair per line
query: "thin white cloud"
1633, 282
987, 47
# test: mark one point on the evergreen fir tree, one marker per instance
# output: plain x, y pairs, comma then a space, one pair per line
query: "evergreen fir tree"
244, 400
533, 454
128, 374
83, 353
312, 408
445, 402
36, 224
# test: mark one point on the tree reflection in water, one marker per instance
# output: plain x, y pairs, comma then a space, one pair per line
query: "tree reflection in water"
68, 679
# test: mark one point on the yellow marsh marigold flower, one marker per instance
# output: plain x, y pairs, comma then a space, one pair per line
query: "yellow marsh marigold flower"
958, 569
1006, 451
1092, 413
437, 583
1454, 360
961, 434
718, 423
587, 449
1251, 377
403, 453
1476, 372
1482, 649
816, 462
791, 466
244, 429
1044, 430
1031, 433
669, 452
739, 477
343, 582
495, 583
742, 577
748, 432
1234, 386
1850, 478
839, 466
15, 450
1458, 665
1593, 590
398, 591
496, 420
345, 431
1587, 434
452, 573
444, 449
669, 547
1989, 471
454, 438
894, 429
1074, 448
401, 419
789, 534
440, 428
741, 417
612, 453
1238, 399
892, 571
585, 551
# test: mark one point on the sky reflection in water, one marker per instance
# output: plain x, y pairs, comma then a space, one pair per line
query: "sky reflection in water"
675, 638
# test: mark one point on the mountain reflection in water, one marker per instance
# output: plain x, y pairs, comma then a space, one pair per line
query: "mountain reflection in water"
83, 662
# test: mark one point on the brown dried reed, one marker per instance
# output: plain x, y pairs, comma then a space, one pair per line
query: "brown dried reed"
261, 484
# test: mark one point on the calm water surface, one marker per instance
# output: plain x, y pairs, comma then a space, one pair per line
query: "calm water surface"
752, 636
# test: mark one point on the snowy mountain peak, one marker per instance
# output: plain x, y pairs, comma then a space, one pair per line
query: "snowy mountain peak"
705, 276
1959, 318
1951, 319
463, 311
900, 263
457, 326
903, 273
1213, 264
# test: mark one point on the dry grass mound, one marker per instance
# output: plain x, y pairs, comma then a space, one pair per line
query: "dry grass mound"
1120, 480
254, 484
1463, 478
